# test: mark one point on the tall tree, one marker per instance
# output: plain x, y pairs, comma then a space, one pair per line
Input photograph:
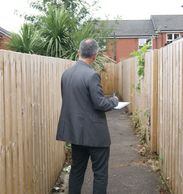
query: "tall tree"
80, 8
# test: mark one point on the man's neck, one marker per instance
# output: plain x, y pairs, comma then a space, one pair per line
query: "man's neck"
86, 60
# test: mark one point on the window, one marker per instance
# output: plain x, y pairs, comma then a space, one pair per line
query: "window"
171, 37
144, 41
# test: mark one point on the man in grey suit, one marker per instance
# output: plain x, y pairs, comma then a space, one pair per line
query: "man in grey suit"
83, 121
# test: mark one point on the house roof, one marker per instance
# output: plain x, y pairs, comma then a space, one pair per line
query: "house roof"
144, 28
127, 28
167, 22
5, 32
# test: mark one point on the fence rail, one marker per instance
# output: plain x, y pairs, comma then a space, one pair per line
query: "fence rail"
30, 158
159, 105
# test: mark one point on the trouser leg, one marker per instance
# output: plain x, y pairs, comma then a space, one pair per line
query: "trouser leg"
80, 156
100, 158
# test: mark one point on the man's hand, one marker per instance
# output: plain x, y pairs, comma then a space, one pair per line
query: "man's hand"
114, 96
114, 99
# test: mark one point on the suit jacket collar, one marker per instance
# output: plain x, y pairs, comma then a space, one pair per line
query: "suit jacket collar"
80, 62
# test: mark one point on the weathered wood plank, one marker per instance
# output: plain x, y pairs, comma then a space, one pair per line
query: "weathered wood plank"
154, 102
2, 126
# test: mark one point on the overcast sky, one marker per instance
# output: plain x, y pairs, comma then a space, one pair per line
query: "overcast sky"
111, 9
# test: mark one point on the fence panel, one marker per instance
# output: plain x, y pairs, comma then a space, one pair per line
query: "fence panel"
30, 100
170, 114
126, 80
161, 98
109, 78
140, 98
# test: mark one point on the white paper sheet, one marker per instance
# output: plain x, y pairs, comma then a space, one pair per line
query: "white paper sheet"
121, 105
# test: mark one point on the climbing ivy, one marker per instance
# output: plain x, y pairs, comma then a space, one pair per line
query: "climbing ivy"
140, 54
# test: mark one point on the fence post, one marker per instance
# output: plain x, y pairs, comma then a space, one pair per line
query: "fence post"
154, 101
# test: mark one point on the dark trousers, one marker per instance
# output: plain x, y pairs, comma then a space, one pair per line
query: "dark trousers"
99, 157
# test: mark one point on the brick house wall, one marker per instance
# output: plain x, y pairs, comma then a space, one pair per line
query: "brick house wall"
161, 39
3, 40
120, 49
128, 35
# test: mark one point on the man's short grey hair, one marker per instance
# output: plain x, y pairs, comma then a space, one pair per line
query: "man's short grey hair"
88, 48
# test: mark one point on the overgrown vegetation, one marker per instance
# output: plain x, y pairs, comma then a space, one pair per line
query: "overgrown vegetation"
140, 54
141, 123
68, 158
57, 30
61, 185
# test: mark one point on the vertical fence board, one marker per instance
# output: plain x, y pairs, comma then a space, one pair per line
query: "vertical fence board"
170, 107
14, 121
160, 97
2, 126
24, 126
165, 113
154, 103
173, 120
29, 103
42, 110
19, 124
132, 88
180, 167
46, 122
8, 123
120, 83
178, 102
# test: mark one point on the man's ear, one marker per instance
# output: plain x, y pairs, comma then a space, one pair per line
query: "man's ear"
94, 57
78, 53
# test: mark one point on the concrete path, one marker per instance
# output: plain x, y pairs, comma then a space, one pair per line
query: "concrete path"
127, 172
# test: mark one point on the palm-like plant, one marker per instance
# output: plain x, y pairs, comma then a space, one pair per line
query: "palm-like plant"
57, 33
56, 29
83, 31
89, 30
26, 41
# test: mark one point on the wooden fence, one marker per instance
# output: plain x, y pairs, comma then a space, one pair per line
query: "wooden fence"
170, 114
140, 98
30, 100
109, 78
30, 157
159, 106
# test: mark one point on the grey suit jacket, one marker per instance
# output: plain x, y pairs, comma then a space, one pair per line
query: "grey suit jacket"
82, 120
